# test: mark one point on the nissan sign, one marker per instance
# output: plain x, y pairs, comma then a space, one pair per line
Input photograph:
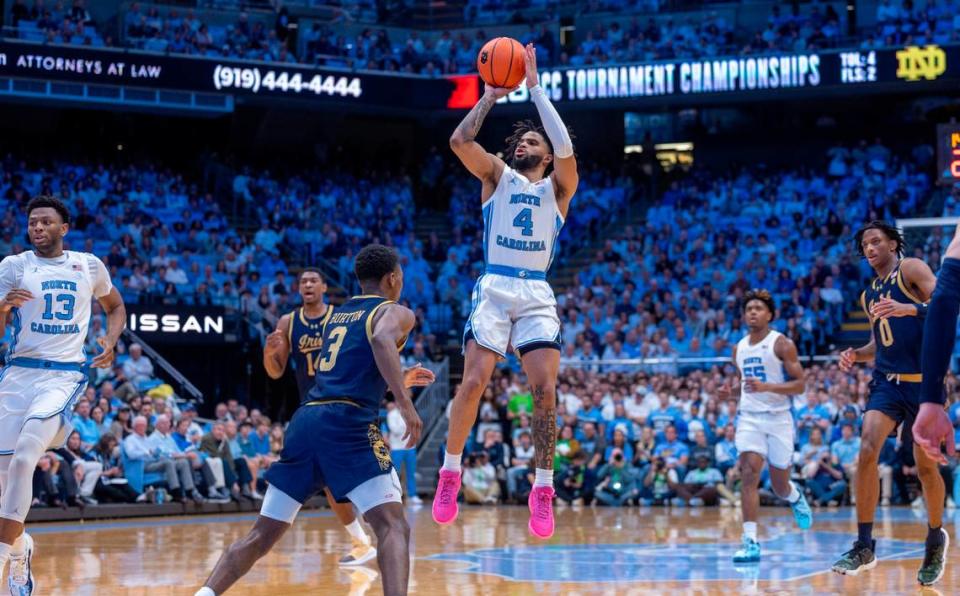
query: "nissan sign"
179, 324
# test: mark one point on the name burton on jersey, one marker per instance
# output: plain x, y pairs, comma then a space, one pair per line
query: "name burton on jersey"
347, 317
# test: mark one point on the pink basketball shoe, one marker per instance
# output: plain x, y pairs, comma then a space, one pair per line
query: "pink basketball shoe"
540, 503
445, 507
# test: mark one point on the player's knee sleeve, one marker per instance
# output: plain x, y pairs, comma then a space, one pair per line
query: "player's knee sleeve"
18, 489
279, 505
940, 331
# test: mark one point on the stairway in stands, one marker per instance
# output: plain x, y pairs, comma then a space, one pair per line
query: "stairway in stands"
855, 330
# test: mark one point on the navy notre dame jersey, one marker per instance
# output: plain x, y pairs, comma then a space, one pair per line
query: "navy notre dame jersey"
898, 339
306, 340
346, 369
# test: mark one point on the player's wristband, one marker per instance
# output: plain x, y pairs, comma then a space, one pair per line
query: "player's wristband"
922, 310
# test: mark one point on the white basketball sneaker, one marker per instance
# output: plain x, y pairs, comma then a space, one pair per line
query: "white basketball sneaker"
20, 577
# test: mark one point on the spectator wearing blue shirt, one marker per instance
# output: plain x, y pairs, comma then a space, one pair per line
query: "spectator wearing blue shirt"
813, 415
824, 479
85, 425
695, 422
673, 451
588, 413
665, 415
849, 415
845, 453
619, 441
261, 438
620, 419
725, 451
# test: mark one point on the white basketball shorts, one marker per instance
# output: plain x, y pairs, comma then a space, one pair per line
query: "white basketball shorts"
512, 312
29, 393
769, 434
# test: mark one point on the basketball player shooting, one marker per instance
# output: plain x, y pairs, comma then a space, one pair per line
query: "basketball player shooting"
524, 205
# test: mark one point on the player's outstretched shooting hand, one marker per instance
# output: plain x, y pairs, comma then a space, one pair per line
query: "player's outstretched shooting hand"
498, 92
530, 63
14, 299
105, 358
887, 308
931, 429
847, 359
414, 425
417, 376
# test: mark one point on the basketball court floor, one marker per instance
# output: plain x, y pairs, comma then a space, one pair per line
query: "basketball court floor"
488, 552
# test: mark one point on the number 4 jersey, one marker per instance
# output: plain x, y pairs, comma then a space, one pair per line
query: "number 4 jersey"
53, 325
760, 361
512, 303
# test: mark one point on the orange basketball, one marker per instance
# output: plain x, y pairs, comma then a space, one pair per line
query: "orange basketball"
500, 62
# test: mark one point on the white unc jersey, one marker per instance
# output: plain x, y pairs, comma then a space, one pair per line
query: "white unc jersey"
53, 325
521, 222
760, 361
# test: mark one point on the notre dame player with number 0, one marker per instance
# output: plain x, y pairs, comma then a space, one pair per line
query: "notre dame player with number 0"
896, 303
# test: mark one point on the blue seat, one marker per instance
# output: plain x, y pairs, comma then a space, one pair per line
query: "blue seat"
138, 479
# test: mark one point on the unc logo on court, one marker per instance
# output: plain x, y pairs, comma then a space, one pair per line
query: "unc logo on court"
626, 563
914, 63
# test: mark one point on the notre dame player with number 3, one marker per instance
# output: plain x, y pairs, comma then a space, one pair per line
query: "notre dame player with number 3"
895, 301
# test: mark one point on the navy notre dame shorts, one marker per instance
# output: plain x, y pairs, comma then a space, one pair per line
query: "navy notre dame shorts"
337, 445
898, 400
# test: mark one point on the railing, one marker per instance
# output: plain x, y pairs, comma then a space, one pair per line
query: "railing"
185, 386
432, 402
671, 365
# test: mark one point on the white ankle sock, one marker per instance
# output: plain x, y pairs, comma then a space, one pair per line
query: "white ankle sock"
750, 530
544, 478
452, 462
205, 591
794, 495
356, 531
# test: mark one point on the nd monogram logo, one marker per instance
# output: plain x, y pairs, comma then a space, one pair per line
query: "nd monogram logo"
914, 62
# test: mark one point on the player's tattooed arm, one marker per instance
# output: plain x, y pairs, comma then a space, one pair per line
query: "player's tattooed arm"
469, 128
483, 165
544, 428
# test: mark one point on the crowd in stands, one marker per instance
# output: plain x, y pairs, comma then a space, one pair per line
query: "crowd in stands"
56, 22
622, 38
639, 438
184, 33
920, 23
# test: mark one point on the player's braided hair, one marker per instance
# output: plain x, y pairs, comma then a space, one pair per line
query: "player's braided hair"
521, 128
41, 201
763, 296
891, 232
